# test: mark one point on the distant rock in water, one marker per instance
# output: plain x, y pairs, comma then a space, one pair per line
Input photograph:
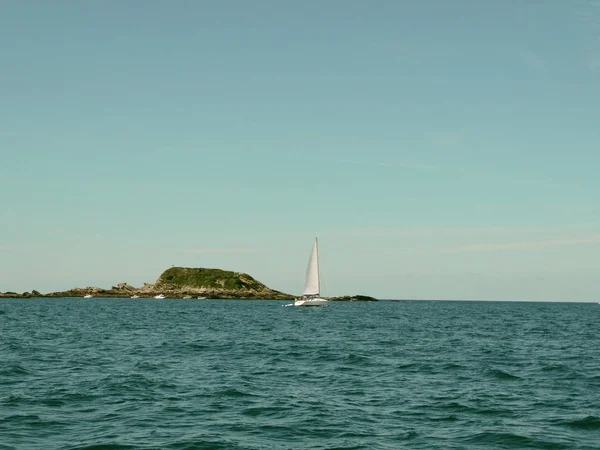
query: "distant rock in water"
353, 298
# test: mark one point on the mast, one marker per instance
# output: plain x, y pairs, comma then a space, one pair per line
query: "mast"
318, 270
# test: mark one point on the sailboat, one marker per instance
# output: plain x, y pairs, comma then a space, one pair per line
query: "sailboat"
312, 285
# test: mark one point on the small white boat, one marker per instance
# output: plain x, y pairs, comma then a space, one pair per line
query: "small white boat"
312, 284
201, 298
135, 296
310, 302
88, 296
161, 296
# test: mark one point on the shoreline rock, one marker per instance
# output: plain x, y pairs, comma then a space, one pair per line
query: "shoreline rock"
353, 298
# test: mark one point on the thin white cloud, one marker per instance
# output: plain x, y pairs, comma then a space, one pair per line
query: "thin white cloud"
213, 250
417, 166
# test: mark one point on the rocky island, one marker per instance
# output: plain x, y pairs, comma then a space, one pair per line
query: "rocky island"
185, 282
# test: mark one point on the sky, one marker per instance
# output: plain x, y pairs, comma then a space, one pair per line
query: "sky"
439, 150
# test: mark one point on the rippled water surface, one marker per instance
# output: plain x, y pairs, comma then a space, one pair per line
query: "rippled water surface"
184, 374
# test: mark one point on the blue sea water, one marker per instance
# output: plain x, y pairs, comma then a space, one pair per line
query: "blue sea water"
196, 374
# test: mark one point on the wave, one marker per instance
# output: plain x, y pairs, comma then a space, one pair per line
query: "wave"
450, 418
453, 366
459, 407
511, 440
29, 420
556, 368
587, 423
104, 447
198, 345
204, 444
14, 369
502, 375
233, 392
265, 411
14, 399
360, 360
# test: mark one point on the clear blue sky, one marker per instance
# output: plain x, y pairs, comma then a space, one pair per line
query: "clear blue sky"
439, 149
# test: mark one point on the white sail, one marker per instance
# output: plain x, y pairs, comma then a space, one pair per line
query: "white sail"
311, 284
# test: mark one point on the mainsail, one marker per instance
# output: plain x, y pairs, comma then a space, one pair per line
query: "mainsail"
311, 284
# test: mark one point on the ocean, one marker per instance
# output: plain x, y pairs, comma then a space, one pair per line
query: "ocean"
100, 374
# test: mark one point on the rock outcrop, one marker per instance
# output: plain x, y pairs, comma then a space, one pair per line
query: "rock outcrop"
353, 298
212, 283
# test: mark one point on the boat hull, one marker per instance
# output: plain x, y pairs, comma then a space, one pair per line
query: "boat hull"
311, 302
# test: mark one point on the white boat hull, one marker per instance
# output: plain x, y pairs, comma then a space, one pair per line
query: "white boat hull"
311, 302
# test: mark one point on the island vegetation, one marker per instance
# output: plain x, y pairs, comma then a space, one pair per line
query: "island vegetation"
180, 282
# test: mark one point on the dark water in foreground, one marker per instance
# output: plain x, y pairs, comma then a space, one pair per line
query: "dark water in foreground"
184, 374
